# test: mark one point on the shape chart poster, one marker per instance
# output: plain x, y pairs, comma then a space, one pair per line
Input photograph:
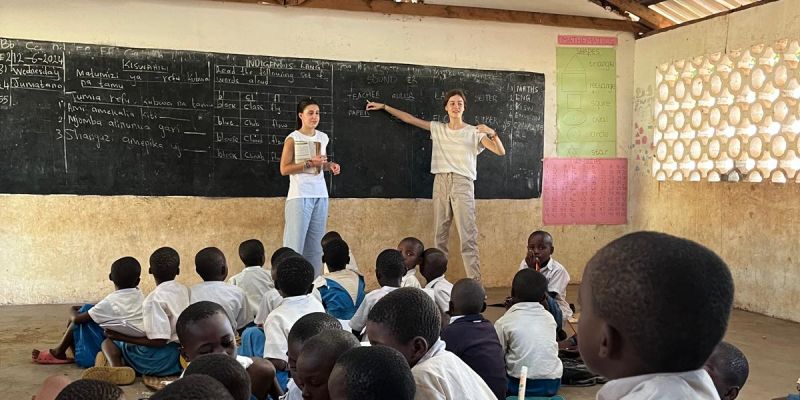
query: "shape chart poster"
585, 191
586, 101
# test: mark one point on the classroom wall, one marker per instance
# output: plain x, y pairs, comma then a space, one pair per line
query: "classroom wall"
58, 248
753, 226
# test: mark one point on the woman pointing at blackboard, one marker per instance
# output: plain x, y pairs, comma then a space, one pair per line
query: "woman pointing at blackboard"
456, 146
303, 159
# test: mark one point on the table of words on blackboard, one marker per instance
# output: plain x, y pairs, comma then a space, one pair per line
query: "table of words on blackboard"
95, 119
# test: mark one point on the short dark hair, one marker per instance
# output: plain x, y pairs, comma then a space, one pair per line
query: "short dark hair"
336, 254
330, 236
301, 106
529, 285
377, 373
415, 242
224, 369
434, 262
83, 389
164, 263
542, 233
389, 264
408, 313
210, 263
468, 296
196, 312
645, 284
311, 325
730, 364
251, 252
331, 344
453, 92
194, 387
126, 272
280, 254
294, 276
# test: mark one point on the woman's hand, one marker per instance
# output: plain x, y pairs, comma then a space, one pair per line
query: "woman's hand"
485, 129
372, 106
335, 168
318, 161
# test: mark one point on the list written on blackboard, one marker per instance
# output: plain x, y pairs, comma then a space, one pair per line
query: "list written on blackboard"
111, 120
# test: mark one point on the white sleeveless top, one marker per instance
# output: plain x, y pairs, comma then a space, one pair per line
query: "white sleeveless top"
306, 185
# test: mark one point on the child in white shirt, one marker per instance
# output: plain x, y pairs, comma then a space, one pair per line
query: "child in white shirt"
539, 258
411, 248
389, 270
254, 279
527, 332
304, 329
211, 266
409, 321
654, 306
433, 268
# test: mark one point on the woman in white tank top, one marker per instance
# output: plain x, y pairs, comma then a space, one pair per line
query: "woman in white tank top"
306, 210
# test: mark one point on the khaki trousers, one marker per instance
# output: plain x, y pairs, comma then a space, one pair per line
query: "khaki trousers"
454, 200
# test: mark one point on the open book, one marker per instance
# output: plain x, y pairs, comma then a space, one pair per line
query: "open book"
124, 328
304, 151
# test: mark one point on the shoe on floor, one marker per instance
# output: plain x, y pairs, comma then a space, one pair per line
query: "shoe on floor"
115, 375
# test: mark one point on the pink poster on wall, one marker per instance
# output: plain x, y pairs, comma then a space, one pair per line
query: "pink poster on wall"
585, 191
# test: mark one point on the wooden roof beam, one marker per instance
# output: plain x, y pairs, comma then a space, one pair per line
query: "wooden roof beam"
459, 12
646, 16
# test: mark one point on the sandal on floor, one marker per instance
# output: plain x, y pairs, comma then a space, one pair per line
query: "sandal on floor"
46, 358
116, 375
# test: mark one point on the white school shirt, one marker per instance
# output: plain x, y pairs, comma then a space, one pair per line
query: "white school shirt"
292, 391
527, 333
359, 320
308, 185
161, 309
557, 281
441, 292
280, 321
120, 305
272, 299
347, 278
410, 279
255, 281
231, 298
690, 385
441, 375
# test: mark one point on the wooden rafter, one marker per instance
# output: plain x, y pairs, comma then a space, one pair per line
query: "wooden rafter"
468, 13
646, 16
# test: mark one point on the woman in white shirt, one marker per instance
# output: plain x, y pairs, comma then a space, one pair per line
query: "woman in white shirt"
306, 210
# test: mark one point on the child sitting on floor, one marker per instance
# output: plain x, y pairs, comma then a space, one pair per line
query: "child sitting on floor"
212, 267
305, 328
409, 321
371, 373
317, 359
204, 328
158, 353
294, 280
254, 280
527, 333
434, 265
728, 368
654, 306
352, 265
411, 249
539, 258
342, 290
389, 270
194, 387
224, 369
84, 334
473, 338
84, 389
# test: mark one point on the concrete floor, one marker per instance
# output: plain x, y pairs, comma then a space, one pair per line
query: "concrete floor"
771, 345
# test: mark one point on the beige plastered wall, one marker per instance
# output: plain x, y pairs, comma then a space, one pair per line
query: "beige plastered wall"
58, 248
753, 226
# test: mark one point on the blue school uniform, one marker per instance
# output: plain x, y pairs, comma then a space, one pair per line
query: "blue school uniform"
88, 337
153, 361
253, 340
337, 300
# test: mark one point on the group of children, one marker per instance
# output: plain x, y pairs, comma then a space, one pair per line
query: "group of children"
307, 337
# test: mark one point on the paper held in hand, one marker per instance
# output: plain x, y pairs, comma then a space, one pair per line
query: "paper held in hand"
304, 151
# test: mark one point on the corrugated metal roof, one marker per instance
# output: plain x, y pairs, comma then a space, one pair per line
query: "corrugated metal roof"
680, 11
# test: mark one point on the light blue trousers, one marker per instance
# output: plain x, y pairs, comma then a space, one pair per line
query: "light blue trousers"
306, 220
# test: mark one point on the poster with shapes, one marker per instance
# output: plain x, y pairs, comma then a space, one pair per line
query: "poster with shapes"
586, 101
585, 191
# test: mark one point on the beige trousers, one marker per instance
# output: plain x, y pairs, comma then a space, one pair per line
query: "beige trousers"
454, 199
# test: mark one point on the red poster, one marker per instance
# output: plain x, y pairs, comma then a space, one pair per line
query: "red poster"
585, 191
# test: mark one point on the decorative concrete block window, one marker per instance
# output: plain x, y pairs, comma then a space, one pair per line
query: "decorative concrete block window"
729, 116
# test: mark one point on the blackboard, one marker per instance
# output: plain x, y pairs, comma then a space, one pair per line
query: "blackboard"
107, 120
